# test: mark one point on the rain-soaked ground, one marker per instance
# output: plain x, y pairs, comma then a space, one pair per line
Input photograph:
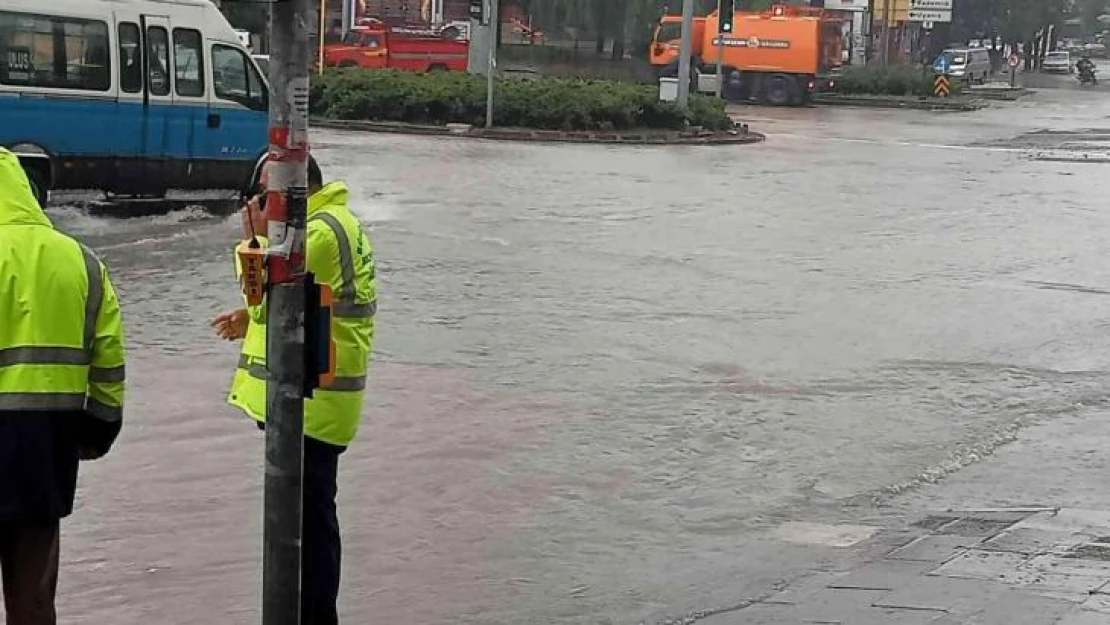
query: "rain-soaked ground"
602, 373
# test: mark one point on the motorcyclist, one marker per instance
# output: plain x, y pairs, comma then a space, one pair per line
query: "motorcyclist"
1085, 66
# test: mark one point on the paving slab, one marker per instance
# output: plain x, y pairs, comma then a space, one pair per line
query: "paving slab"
981, 564
1051, 563
976, 526
1083, 617
1098, 602
995, 567
1012, 608
884, 575
836, 604
944, 594
1094, 522
934, 522
764, 614
802, 589
1032, 541
935, 548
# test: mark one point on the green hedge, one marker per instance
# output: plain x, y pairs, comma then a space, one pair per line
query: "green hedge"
547, 103
892, 80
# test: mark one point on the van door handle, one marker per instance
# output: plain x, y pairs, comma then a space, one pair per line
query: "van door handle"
213, 120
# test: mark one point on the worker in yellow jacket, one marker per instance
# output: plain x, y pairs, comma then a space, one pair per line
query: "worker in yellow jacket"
61, 387
339, 253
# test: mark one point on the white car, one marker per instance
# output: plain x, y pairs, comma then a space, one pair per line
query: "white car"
1058, 62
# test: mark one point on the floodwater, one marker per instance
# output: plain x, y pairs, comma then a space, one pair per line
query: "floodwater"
602, 374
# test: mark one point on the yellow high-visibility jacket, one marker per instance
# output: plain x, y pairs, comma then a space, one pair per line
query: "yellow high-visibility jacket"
338, 251
61, 337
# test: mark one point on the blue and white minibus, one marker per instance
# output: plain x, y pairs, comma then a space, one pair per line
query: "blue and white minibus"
129, 97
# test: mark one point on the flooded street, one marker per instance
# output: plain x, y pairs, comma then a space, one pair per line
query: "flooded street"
603, 374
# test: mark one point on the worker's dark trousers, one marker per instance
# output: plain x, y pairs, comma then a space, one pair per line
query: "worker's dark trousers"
29, 564
320, 541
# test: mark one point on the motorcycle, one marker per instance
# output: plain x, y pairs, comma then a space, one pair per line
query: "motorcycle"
1087, 76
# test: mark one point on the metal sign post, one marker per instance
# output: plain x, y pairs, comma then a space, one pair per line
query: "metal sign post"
726, 10
720, 63
287, 203
1013, 62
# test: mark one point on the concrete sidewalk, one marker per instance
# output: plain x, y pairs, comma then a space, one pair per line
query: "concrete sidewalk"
1003, 566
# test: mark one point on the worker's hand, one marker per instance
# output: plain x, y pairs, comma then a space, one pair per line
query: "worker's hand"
231, 325
252, 221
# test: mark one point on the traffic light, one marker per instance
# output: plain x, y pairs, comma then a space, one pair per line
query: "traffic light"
725, 9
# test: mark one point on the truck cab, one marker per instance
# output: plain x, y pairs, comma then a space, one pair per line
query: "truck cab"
359, 47
374, 45
667, 41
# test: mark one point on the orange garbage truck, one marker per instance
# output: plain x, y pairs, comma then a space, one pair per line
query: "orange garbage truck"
779, 56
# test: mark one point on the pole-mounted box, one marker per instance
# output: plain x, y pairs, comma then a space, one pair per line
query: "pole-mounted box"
319, 346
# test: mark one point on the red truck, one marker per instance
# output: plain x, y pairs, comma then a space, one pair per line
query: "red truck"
372, 44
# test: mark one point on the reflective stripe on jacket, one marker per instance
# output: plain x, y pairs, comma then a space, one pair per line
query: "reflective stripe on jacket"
61, 337
339, 253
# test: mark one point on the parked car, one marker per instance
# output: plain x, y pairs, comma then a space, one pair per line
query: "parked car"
1058, 62
971, 64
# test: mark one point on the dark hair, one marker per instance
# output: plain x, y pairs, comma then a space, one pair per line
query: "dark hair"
315, 176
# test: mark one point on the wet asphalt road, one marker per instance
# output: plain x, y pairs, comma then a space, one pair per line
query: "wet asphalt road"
602, 373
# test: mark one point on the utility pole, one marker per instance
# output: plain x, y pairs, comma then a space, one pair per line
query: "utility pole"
291, 22
491, 61
685, 50
886, 33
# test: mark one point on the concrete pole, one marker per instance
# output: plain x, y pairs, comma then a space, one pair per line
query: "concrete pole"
685, 50
886, 33
291, 22
491, 65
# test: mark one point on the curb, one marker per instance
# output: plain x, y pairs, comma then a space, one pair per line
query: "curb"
1005, 94
923, 104
462, 131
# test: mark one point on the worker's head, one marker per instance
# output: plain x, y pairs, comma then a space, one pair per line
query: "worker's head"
259, 182
17, 200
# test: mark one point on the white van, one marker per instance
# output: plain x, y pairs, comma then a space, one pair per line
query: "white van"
971, 64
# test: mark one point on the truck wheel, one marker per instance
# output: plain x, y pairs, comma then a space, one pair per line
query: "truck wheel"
779, 90
437, 67
347, 64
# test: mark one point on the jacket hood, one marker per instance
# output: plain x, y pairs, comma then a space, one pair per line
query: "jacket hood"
331, 194
17, 203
